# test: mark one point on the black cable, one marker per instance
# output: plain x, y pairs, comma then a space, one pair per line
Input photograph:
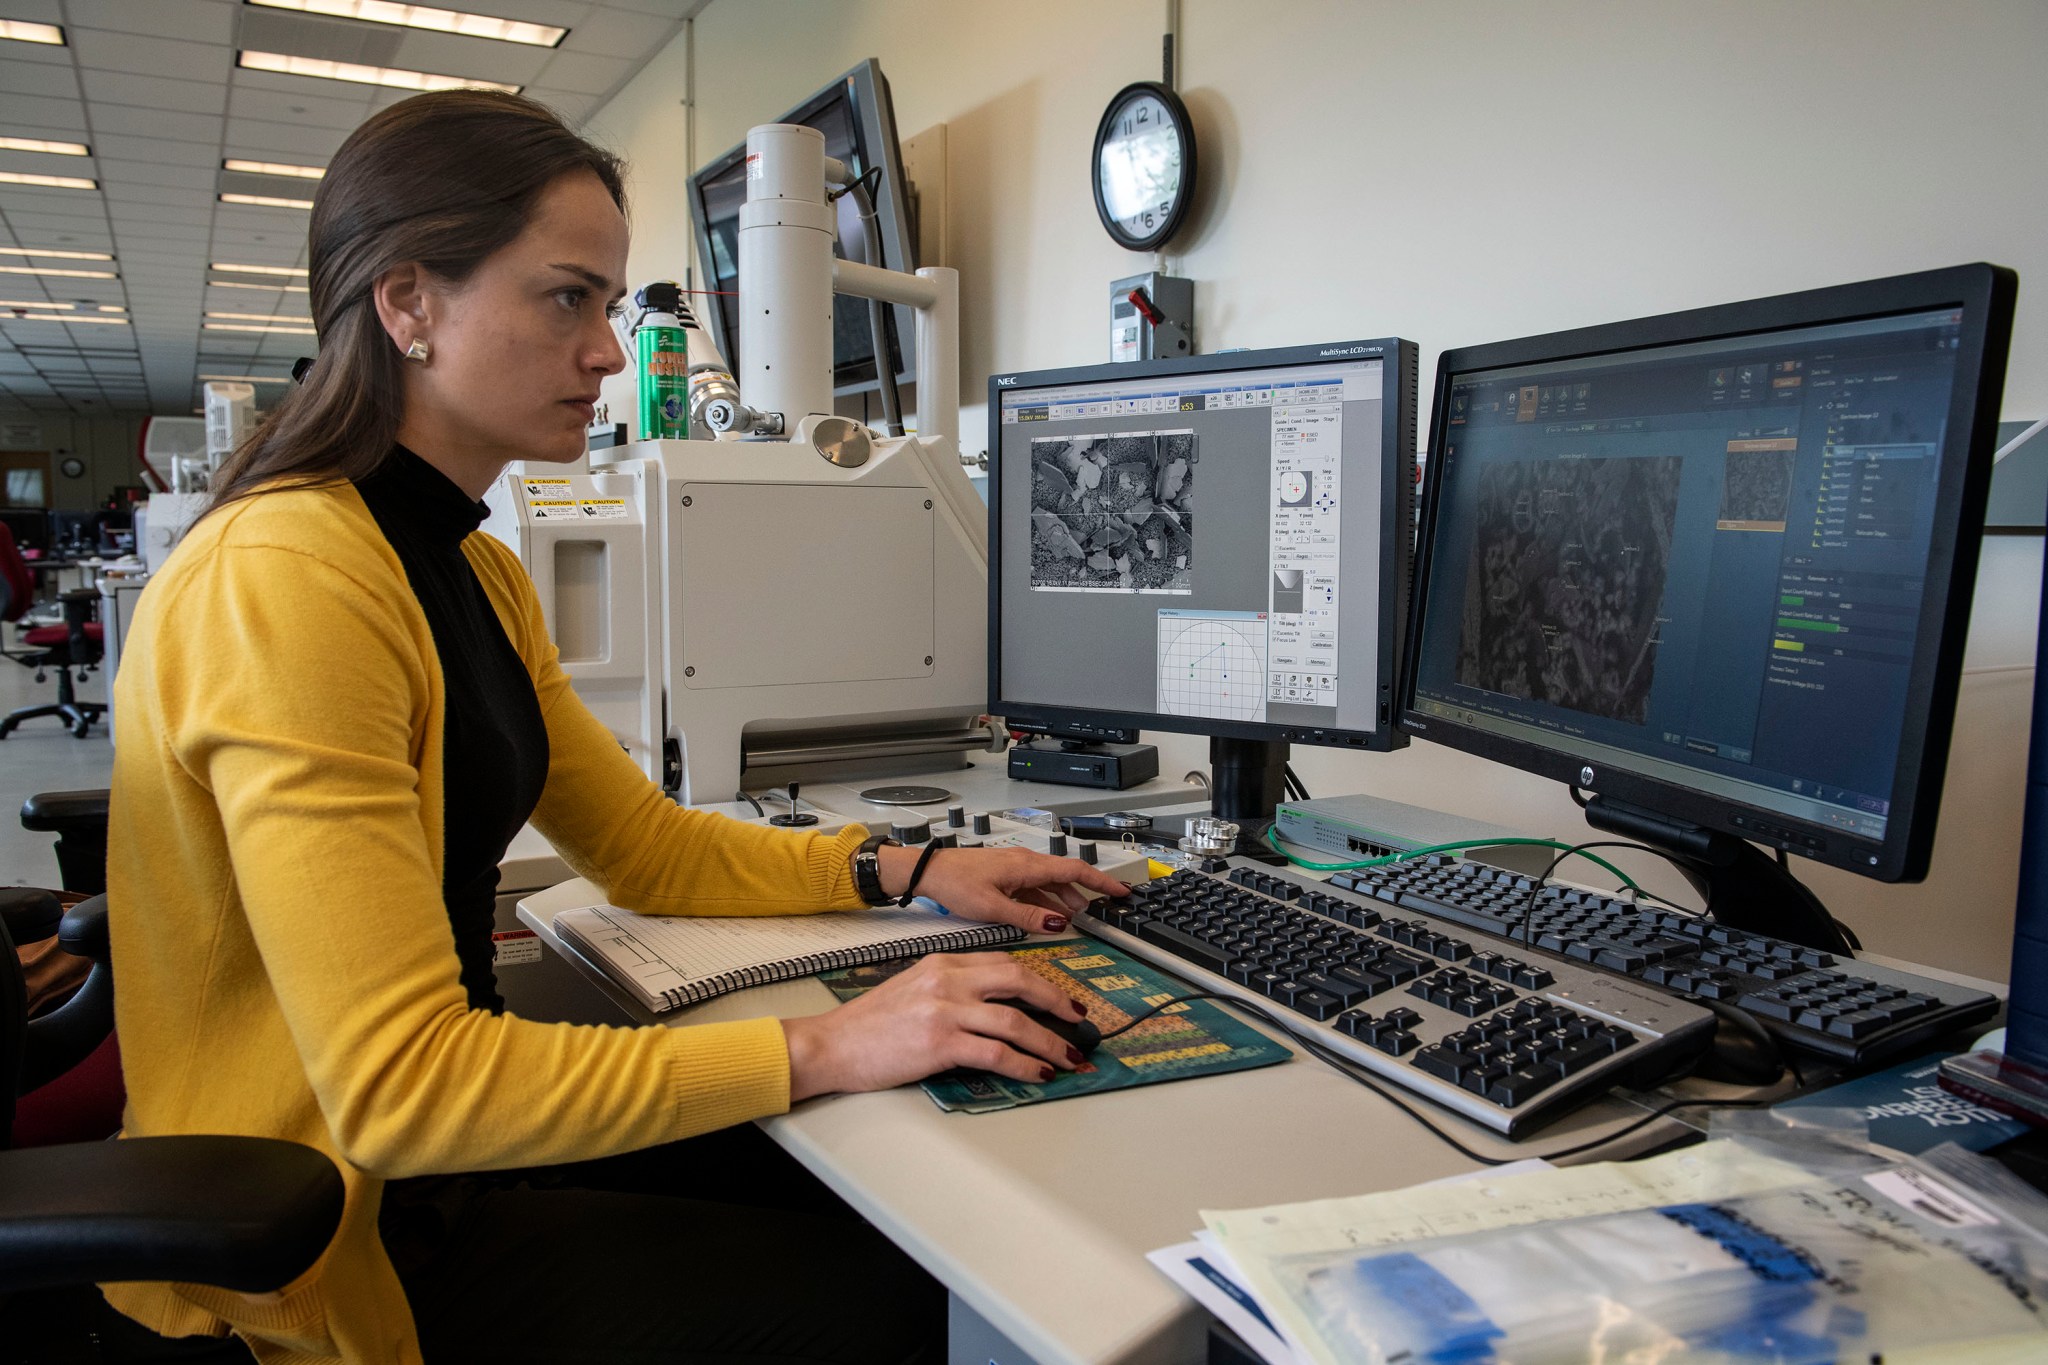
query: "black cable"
743, 796
1352, 1071
1300, 791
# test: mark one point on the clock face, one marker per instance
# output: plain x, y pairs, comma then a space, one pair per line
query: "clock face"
1144, 165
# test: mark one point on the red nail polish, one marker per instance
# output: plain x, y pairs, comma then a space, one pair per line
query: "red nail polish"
1044, 1073
1054, 924
1080, 1010
1074, 1055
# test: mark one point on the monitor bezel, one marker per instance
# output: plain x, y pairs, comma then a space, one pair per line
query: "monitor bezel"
866, 91
1985, 294
1398, 426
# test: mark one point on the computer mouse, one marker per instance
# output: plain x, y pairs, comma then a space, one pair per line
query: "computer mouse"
1079, 1034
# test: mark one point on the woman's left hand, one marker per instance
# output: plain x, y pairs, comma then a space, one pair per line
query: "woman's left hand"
1034, 891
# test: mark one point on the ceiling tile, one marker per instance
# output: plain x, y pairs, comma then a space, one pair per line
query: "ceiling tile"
262, 137
206, 21
142, 122
34, 199
573, 108
201, 215
619, 33
673, 9
585, 74
246, 100
36, 78
154, 92
114, 173
41, 114
141, 197
99, 50
158, 151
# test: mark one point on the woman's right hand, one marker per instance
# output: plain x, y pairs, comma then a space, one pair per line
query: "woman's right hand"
938, 1014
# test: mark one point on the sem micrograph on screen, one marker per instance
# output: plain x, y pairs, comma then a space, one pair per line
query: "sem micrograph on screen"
1756, 489
1566, 579
1113, 513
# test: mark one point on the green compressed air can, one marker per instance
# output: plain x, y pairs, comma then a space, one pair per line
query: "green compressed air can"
663, 356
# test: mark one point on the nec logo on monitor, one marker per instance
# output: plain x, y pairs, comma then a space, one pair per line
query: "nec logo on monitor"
1004, 381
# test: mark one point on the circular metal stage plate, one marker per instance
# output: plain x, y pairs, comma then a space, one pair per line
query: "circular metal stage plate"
906, 796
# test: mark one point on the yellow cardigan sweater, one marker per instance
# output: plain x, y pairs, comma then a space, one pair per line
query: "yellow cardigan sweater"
285, 960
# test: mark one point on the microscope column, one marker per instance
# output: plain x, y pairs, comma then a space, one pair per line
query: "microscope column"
785, 248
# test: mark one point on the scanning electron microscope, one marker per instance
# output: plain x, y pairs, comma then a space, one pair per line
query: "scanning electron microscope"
800, 595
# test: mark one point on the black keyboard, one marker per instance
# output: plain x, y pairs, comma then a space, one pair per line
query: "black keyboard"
1509, 1041
1855, 1013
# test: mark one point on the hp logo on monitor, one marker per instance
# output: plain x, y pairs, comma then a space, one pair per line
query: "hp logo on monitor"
1586, 777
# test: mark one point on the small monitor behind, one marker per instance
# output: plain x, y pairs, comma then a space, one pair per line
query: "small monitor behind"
1215, 545
1714, 570
859, 124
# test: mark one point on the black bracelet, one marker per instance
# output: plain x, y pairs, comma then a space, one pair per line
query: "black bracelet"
917, 875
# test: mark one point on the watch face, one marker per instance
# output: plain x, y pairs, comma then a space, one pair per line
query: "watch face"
1142, 166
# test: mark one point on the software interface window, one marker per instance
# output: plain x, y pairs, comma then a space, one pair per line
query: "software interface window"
1177, 544
1705, 563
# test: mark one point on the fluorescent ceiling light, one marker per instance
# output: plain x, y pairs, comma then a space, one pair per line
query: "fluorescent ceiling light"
53, 254
49, 182
38, 144
245, 379
22, 31
266, 201
59, 317
260, 317
235, 163
427, 17
112, 308
251, 284
396, 77
32, 304
256, 327
260, 269
53, 270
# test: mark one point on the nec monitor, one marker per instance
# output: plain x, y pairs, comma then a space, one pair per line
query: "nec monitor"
1214, 545
859, 126
1714, 570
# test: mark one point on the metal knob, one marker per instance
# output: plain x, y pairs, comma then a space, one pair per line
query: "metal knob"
981, 822
1088, 852
956, 816
911, 831
1057, 845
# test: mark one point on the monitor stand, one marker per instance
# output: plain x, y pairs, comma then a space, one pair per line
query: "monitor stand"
1247, 783
1744, 887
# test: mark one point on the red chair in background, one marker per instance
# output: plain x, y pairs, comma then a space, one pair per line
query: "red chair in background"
75, 644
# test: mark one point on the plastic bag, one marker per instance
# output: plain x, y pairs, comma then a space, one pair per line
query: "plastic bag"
1869, 1258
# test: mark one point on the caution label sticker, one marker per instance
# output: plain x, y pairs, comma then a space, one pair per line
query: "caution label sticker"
552, 509
604, 509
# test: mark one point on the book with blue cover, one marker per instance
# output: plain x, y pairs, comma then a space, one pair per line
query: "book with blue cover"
1909, 1112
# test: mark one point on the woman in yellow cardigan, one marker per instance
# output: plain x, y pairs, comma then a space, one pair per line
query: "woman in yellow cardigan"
338, 702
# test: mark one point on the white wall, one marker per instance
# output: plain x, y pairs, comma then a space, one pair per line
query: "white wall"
1460, 172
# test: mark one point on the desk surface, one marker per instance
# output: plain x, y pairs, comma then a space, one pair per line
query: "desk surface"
1039, 1217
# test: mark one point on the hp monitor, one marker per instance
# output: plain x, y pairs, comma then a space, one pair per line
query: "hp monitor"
1713, 569
1215, 545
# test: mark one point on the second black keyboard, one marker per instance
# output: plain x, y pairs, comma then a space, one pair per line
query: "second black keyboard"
1851, 1012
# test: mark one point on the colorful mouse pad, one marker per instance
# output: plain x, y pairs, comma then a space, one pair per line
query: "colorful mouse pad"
1193, 1038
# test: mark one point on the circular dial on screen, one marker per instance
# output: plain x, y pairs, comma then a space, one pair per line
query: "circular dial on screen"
1144, 165
1293, 487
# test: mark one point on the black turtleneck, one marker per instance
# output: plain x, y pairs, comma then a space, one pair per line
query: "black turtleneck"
494, 746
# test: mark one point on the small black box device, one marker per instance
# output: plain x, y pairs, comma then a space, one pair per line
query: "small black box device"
1114, 766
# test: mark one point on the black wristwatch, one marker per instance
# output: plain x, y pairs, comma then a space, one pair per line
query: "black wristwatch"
867, 870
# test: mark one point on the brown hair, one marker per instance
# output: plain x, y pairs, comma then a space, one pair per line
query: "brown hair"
443, 179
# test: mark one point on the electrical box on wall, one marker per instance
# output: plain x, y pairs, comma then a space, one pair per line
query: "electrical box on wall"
1151, 317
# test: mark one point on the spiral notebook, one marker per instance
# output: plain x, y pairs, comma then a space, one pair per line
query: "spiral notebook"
669, 961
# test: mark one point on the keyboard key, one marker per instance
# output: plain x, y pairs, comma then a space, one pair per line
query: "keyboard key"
1396, 1041
1533, 978
1183, 945
1403, 1018
1316, 1004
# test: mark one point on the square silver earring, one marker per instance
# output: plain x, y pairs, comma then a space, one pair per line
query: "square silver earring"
419, 350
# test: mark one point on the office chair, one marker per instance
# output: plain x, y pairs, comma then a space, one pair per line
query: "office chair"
75, 644
247, 1214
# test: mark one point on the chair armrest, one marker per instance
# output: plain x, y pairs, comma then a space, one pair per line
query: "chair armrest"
29, 914
246, 1214
63, 812
54, 1042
